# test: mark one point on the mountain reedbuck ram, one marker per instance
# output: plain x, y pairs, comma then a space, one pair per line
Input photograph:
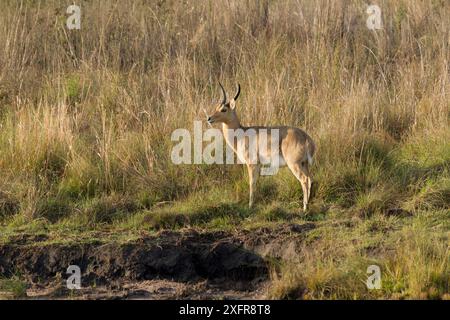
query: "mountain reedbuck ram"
292, 146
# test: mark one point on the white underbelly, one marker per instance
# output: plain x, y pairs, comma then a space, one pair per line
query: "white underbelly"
263, 158
249, 153
272, 160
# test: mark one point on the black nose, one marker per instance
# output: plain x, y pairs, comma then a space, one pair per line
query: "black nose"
209, 119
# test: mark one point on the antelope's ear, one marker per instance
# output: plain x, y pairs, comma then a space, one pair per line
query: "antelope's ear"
232, 104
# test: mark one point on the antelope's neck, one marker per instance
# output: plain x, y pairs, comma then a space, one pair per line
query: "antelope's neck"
228, 131
233, 126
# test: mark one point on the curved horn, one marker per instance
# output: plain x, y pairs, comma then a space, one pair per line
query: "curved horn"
224, 100
238, 92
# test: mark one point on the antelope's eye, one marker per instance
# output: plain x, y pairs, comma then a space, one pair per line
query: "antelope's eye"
223, 110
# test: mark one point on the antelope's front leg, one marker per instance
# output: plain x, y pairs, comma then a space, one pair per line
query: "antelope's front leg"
253, 174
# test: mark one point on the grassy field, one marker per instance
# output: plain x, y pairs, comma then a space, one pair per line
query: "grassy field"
86, 118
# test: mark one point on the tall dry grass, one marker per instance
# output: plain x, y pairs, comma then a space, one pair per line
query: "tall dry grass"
87, 114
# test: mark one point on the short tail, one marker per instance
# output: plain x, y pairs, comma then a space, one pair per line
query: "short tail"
310, 158
310, 150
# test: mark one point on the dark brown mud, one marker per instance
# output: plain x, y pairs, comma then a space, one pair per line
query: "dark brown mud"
169, 265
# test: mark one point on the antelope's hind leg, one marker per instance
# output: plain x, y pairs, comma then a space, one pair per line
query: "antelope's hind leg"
305, 170
301, 172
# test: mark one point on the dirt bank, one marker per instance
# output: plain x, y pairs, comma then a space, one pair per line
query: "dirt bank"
180, 262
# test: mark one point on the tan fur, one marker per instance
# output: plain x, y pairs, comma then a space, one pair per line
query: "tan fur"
295, 147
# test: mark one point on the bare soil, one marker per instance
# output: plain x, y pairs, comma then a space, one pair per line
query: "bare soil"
170, 265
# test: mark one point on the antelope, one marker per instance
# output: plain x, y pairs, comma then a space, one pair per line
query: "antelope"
294, 148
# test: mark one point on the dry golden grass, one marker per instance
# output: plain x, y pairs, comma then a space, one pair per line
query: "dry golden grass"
86, 115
